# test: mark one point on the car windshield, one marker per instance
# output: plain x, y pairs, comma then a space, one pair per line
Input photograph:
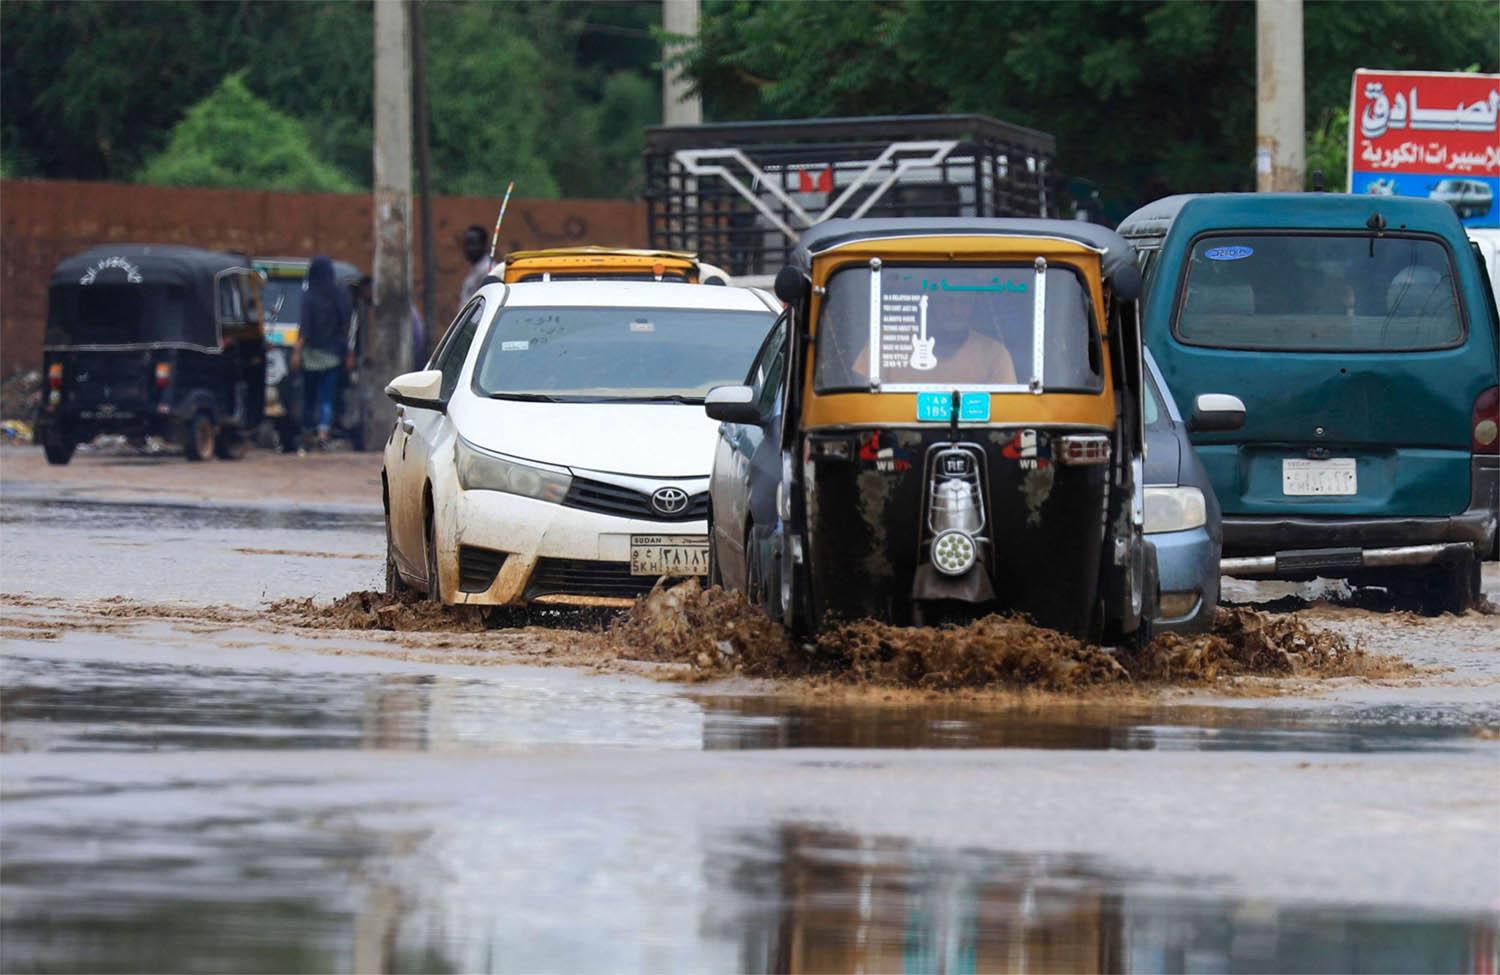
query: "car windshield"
955, 325
1349, 293
617, 354
289, 292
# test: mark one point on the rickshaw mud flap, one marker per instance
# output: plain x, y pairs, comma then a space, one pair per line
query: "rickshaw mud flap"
973, 586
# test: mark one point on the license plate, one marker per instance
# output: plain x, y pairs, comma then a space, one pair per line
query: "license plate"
1303, 478
668, 555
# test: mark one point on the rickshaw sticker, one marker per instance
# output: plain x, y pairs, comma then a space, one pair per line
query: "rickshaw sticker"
132, 273
641, 325
517, 346
1031, 448
890, 459
994, 285
1237, 252
902, 328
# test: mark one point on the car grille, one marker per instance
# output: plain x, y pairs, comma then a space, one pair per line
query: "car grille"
585, 577
611, 499
477, 567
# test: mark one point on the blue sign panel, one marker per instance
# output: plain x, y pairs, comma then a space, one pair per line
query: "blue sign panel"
938, 407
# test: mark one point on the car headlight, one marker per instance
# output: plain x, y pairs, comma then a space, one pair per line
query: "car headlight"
480, 470
1174, 509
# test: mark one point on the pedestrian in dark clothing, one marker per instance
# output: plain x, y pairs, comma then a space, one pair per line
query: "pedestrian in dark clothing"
322, 344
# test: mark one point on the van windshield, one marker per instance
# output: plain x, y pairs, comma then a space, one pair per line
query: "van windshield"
617, 354
948, 326
1309, 293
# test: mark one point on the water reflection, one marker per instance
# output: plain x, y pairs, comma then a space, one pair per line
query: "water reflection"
806, 899
755, 722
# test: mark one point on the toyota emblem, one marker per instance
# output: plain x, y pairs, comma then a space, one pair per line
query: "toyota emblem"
669, 501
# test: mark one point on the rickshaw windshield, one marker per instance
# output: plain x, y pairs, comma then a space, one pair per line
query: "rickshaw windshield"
957, 326
120, 314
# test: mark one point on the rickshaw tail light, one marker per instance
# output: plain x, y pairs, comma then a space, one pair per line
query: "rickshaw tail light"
163, 374
954, 553
54, 376
1085, 448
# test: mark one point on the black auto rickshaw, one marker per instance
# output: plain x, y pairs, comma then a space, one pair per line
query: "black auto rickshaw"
955, 410
153, 340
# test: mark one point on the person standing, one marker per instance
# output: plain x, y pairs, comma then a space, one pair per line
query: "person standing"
322, 345
476, 246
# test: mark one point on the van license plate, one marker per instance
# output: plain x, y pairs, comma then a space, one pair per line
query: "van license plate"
1313, 478
668, 555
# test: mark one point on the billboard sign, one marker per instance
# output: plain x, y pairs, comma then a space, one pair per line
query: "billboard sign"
1426, 133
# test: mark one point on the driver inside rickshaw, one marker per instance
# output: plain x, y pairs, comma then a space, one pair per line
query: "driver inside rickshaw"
964, 344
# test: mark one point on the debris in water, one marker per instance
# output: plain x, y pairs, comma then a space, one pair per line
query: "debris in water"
371, 610
716, 632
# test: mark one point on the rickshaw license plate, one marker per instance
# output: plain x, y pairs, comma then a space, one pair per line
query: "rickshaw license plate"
938, 407
1312, 478
668, 555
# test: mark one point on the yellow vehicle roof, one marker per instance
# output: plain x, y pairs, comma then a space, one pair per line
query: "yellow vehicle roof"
602, 259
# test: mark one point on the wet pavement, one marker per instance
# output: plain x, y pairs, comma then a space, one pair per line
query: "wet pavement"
219, 796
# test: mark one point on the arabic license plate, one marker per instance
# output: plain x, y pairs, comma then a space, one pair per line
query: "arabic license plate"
1312, 478
668, 555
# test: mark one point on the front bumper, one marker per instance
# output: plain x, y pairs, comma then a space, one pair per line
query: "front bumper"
1291, 548
1187, 568
546, 553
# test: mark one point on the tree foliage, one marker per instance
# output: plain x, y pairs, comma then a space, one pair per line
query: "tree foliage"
1146, 98
553, 94
233, 139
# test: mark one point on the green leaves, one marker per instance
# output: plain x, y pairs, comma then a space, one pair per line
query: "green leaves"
234, 139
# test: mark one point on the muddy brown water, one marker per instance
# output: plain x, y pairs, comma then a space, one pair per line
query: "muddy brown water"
202, 771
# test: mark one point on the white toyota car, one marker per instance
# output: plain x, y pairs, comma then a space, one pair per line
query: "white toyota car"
555, 449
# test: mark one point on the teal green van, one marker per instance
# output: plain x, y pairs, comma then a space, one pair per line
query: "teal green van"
1360, 334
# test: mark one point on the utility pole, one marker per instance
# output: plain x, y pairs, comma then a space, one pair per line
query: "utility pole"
1280, 112
678, 105
387, 351
424, 172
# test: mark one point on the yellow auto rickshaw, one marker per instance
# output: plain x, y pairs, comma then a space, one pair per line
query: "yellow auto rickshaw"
615, 263
947, 423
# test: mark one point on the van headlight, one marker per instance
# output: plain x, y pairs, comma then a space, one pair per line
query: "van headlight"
1174, 509
480, 470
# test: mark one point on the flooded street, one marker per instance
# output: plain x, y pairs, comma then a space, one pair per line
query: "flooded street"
191, 784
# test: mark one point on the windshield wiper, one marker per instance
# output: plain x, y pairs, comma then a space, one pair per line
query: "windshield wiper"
525, 397
672, 398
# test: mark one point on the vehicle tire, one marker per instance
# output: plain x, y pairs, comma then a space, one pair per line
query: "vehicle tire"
1456, 588
231, 445
58, 453
395, 586
199, 437
434, 590
715, 575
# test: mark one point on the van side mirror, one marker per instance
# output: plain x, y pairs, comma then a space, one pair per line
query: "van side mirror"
1216, 413
732, 404
791, 285
419, 389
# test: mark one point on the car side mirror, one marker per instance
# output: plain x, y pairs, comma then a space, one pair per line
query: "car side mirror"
1216, 413
420, 389
732, 404
791, 285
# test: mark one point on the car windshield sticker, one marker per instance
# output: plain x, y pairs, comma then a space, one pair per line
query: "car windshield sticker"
520, 346
1235, 253
641, 325
903, 333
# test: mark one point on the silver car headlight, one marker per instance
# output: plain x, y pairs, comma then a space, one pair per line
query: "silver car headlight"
1174, 509
480, 470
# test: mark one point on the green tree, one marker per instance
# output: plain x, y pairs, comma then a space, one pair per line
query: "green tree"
1145, 98
234, 139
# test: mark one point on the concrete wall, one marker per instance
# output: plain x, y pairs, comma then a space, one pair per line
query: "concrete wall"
41, 222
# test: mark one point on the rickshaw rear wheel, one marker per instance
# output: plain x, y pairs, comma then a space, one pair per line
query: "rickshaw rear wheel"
58, 452
230, 445
199, 437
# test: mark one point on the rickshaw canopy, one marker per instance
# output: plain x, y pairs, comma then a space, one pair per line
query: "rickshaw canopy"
141, 294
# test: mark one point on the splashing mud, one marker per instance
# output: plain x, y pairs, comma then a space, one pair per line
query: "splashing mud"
717, 633
371, 610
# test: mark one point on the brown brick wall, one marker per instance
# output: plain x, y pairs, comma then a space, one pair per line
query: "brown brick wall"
42, 222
